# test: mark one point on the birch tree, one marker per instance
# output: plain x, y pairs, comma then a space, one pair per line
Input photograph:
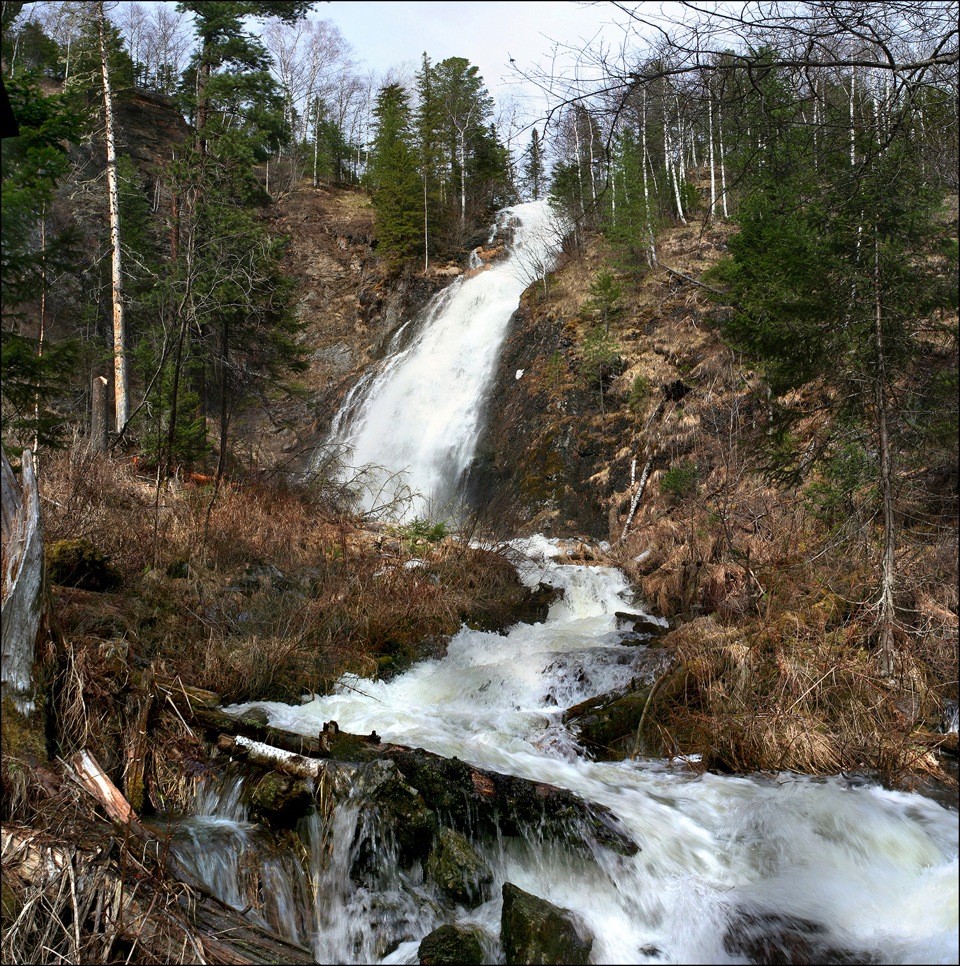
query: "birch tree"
120, 372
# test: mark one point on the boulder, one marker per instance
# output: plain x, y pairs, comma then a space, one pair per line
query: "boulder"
451, 944
459, 871
641, 625
403, 810
534, 931
607, 724
78, 563
780, 940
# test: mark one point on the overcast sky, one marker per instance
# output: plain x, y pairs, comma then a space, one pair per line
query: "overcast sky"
488, 34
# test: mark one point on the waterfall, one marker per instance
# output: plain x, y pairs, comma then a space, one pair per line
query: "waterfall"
764, 868
412, 425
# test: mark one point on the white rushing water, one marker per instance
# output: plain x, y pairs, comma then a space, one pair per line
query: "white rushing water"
813, 870
876, 870
414, 422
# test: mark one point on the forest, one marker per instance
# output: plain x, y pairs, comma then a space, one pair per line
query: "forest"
750, 339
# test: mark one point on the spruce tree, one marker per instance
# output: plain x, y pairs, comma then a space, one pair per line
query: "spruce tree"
393, 178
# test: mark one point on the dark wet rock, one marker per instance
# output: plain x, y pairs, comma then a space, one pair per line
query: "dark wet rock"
534, 931
607, 724
640, 625
406, 817
281, 797
777, 940
536, 607
453, 944
499, 598
478, 801
459, 871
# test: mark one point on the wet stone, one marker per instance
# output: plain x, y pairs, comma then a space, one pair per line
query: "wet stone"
458, 869
607, 724
778, 940
534, 931
453, 944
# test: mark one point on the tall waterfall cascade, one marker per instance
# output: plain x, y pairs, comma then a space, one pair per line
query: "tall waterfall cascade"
411, 427
764, 868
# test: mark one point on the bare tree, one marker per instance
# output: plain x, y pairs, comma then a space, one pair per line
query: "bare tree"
120, 376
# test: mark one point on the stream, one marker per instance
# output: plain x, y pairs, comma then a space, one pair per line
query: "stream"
763, 868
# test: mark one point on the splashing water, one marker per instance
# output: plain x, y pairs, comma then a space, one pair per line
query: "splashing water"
414, 424
847, 869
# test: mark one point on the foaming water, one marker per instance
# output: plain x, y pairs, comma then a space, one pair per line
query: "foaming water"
846, 869
414, 424
729, 869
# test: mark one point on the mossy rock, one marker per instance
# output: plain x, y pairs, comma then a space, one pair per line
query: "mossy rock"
78, 563
454, 944
412, 824
608, 724
459, 871
534, 931
280, 797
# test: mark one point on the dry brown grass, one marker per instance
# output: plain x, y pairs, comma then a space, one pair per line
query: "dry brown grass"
260, 593
752, 701
778, 667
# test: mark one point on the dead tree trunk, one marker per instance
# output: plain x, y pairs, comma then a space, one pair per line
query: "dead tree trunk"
120, 380
23, 613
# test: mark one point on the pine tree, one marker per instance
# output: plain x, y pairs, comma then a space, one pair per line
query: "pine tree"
835, 272
534, 173
35, 373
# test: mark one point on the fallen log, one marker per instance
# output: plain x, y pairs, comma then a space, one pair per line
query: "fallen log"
467, 798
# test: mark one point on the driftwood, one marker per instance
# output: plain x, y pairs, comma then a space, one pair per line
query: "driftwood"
467, 798
23, 610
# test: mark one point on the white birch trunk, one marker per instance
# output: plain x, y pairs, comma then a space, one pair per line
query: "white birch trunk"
713, 169
645, 161
120, 379
723, 170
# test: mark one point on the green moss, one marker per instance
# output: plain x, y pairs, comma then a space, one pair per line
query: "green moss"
23, 736
78, 563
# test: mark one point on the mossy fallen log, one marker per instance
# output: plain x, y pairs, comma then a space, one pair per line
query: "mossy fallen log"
469, 799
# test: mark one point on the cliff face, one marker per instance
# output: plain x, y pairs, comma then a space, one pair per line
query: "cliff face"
558, 456
348, 302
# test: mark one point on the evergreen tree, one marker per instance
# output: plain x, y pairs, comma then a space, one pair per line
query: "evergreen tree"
35, 371
834, 273
534, 173
392, 176
229, 83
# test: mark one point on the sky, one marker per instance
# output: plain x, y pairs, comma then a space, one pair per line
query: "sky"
488, 34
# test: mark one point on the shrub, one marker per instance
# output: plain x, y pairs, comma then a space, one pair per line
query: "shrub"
639, 392
680, 481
